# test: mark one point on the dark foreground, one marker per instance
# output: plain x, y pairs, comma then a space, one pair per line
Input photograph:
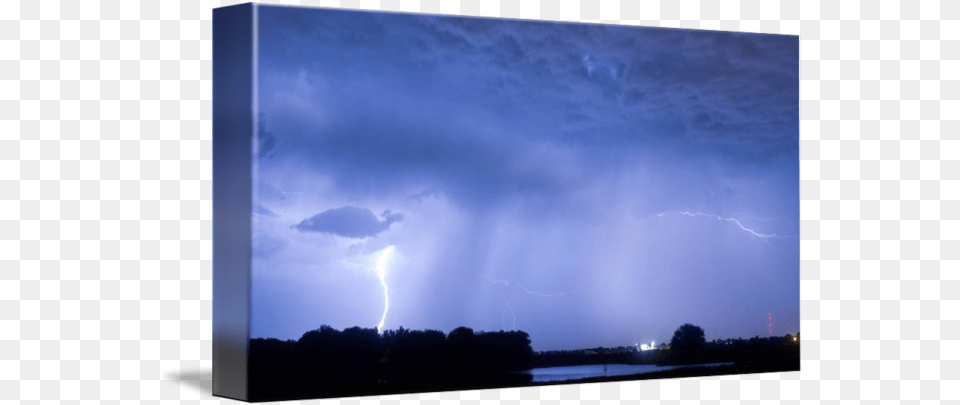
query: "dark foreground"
359, 362
695, 371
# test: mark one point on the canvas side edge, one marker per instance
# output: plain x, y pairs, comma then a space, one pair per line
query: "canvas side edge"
233, 129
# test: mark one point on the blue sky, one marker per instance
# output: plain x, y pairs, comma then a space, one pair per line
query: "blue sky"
592, 185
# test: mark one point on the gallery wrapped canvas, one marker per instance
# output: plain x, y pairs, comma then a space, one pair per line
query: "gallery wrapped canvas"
411, 203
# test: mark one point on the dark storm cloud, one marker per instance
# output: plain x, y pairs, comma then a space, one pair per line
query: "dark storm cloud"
350, 222
381, 156
460, 95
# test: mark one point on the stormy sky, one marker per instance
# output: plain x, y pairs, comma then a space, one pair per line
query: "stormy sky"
592, 185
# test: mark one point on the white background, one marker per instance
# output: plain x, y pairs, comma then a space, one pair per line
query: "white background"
105, 198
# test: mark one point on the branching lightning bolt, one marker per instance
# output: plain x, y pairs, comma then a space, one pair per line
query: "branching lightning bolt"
527, 290
762, 236
382, 263
735, 221
756, 218
506, 303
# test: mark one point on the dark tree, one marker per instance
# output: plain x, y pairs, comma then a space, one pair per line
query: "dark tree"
688, 337
462, 335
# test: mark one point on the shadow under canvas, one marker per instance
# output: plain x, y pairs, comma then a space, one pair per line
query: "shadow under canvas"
200, 380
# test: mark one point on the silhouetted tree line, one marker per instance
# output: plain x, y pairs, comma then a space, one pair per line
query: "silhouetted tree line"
757, 341
357, 361
688, 346
327, 362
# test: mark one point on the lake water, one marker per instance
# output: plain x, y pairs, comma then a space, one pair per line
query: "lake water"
550, 374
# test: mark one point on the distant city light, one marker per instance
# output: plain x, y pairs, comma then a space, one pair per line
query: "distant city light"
651, 346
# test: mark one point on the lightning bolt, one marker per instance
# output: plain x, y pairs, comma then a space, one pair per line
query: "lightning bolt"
536, 293
506, 303
382, 262
527, 290
756, 218
761, 236
500, 281
514, 314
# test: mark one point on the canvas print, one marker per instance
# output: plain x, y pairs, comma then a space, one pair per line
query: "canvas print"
430, 203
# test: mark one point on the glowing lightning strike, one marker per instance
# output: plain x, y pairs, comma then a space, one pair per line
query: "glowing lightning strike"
762, 236
538, 294
529, 291
506, 303
382, 262
513, 314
